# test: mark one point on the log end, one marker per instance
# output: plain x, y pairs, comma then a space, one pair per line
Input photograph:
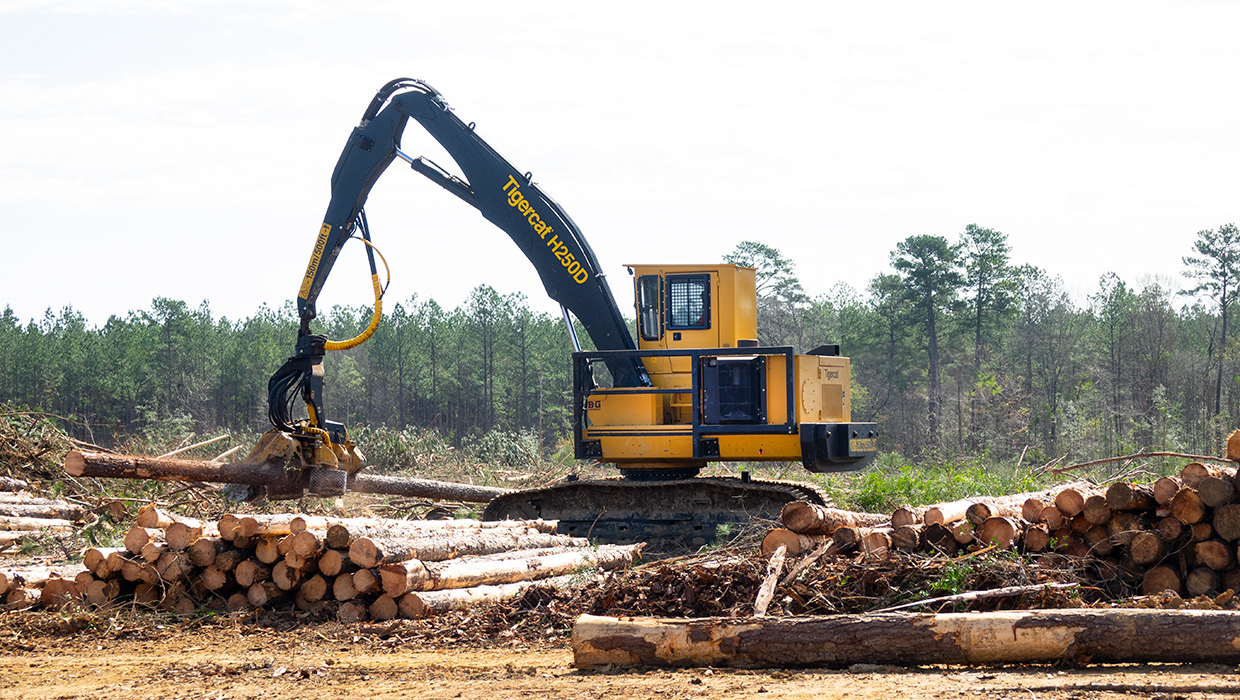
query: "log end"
75, 464
780, 537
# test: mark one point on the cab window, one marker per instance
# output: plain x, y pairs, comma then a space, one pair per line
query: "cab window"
648, 307
688, 302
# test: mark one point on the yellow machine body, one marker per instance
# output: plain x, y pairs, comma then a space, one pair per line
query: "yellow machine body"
716, 395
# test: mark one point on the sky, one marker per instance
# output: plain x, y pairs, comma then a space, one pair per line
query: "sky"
184, 149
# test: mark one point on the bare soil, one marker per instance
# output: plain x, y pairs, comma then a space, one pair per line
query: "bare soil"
57, 656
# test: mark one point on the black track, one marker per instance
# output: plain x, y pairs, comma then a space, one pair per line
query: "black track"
686, 512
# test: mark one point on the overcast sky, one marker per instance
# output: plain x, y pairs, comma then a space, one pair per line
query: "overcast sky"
184, 149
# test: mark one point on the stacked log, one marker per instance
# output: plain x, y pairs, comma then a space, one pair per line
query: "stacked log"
1178, 534
48, 586
23, 515
358, 568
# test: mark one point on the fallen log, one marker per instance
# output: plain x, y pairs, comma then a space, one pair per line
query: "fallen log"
876, 543
181, 535
56, 509
1193, 473
794, 544
333, 561
1124, 496
17, 523
340, 533
8, 483
907, 538
1214, 554
1217, 490
95, 560
1071, 500
204, 550
1187, 507
808, 518
367, 552
1003, 532
137, 537
1147, 548
384, 607
1096, 510
1037, 538
1161, 578
1227, 521
152, 516
943, 513
101, 465
427, 603
911, 639
415, 575
1202, 581
279, 524
1165, 489
366, 580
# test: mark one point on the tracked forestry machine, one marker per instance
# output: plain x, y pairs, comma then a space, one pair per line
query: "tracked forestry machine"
695, 388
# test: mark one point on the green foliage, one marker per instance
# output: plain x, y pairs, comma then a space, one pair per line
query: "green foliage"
894, 482
507, 448
390, 450
957, 351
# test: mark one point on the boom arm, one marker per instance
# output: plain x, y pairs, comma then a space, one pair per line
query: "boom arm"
569, 271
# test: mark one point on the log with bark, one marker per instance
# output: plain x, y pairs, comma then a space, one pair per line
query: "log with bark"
55, 509
1187, 507
1071, 500
1227, 521
152, 516
102, 465
794, 544
910, 639
8, 483
808, 518
1125, 496
1165, 489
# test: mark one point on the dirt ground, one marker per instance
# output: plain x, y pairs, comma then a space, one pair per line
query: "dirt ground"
43, 656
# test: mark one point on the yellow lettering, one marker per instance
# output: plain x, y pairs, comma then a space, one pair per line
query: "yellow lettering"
518, 200
315, 258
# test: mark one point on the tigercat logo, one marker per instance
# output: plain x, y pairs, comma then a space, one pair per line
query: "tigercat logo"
518, 201
315, 258
856, 445
832, 373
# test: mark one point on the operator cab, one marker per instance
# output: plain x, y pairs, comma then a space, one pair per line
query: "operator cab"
685, 307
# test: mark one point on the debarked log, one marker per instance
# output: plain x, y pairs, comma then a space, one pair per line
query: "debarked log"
368, 552
911, 639
422, 604
416, 575
101, 465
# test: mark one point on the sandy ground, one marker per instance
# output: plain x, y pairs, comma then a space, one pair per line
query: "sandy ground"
42, 656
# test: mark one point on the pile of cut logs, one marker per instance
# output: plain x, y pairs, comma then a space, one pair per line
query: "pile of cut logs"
1179, 533
362, 568
23, 514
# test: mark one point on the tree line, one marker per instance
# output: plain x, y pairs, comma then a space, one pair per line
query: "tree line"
957, 352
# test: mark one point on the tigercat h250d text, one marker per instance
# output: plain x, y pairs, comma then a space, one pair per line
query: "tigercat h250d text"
694, 388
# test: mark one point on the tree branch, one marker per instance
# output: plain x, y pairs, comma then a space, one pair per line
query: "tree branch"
1195, 458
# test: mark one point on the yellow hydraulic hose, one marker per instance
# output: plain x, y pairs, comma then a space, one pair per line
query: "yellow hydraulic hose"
313, 430
378, 312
